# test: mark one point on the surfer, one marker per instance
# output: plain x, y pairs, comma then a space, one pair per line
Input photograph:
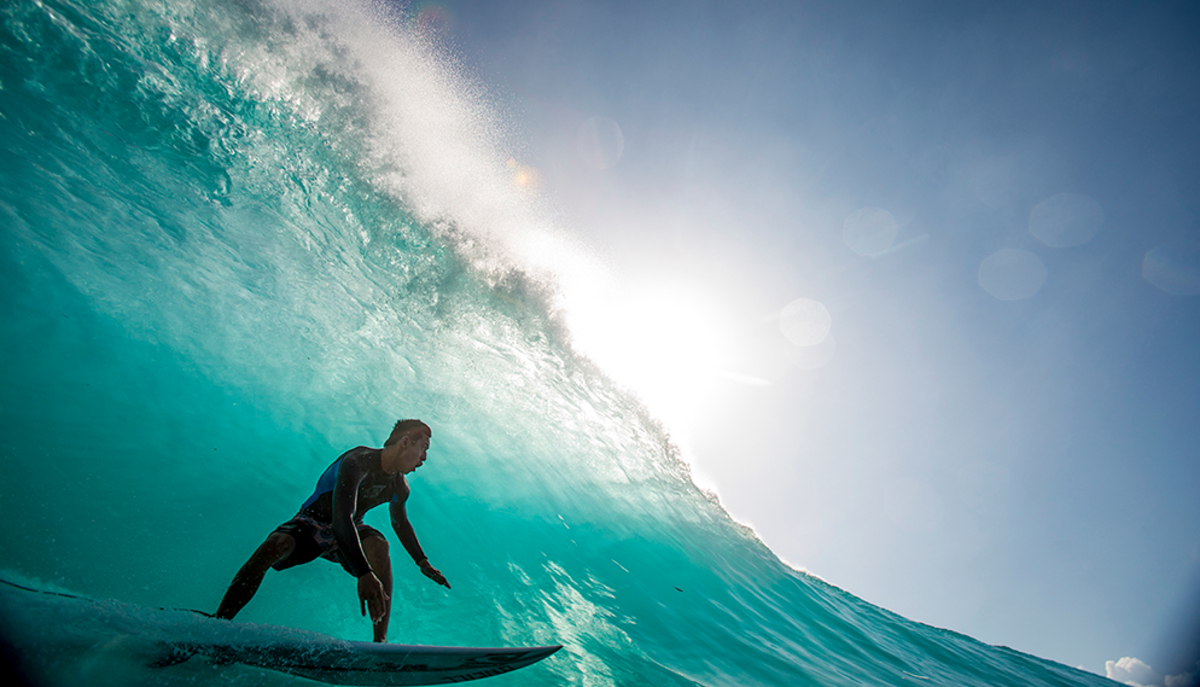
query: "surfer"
329, 525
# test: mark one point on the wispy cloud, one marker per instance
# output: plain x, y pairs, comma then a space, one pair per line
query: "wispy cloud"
1134, 672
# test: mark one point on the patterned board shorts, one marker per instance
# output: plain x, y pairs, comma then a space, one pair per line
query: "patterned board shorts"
316, 539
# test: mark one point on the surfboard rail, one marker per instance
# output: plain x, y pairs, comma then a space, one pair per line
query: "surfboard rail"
368, 663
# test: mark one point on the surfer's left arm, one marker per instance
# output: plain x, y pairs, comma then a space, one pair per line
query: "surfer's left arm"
408, 538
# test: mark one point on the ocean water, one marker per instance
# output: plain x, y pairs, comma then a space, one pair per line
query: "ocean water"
240, 237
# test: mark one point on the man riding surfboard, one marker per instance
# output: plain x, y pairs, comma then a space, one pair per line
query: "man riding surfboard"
329, 525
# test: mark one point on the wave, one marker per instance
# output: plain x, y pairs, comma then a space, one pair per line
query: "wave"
242, 236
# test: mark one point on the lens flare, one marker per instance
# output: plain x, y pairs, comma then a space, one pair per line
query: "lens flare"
870, 231
600, 143
1065, 220
1012, 274
1173, 268
524, 176
995, 181
805, 322
432, 18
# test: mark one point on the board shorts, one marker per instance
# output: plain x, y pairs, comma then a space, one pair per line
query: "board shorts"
316, 539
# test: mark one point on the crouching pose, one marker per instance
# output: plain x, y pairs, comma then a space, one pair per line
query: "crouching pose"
329, 525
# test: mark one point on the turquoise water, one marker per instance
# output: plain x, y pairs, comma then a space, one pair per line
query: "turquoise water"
239, 238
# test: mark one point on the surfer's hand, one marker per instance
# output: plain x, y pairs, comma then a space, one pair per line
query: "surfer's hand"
372, 597
433, 574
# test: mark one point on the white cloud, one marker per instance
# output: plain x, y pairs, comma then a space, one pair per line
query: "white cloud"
1135, 673
1132, 671
1191, 679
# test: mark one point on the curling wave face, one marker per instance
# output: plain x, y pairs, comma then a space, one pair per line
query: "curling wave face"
240, 237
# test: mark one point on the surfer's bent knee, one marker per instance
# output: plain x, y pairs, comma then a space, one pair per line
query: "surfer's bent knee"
375, 540
277, 547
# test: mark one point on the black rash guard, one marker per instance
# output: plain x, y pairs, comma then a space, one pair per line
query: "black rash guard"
352, 485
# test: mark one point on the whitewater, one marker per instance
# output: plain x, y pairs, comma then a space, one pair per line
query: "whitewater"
240, 237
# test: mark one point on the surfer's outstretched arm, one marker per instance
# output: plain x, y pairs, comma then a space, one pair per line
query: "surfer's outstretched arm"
408, 538
371, 593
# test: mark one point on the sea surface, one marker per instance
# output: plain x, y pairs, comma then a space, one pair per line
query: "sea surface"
240, 237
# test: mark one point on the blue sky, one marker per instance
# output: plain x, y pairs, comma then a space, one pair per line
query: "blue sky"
995, 428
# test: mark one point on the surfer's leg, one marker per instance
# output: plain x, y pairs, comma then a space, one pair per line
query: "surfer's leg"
375, 548
246, 582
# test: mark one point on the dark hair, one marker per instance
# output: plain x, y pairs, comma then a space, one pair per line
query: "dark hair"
404, 427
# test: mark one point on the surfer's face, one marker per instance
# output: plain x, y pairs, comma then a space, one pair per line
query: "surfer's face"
412, 450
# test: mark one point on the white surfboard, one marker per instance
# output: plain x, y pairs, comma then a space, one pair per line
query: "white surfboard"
161, 638
365, 663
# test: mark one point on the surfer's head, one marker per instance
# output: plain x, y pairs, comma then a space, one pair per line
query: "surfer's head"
405, 448
404, 427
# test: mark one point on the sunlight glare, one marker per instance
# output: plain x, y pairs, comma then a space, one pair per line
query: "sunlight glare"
662, 339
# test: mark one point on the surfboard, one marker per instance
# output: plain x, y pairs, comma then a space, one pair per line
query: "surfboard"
366, 663
165, 637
